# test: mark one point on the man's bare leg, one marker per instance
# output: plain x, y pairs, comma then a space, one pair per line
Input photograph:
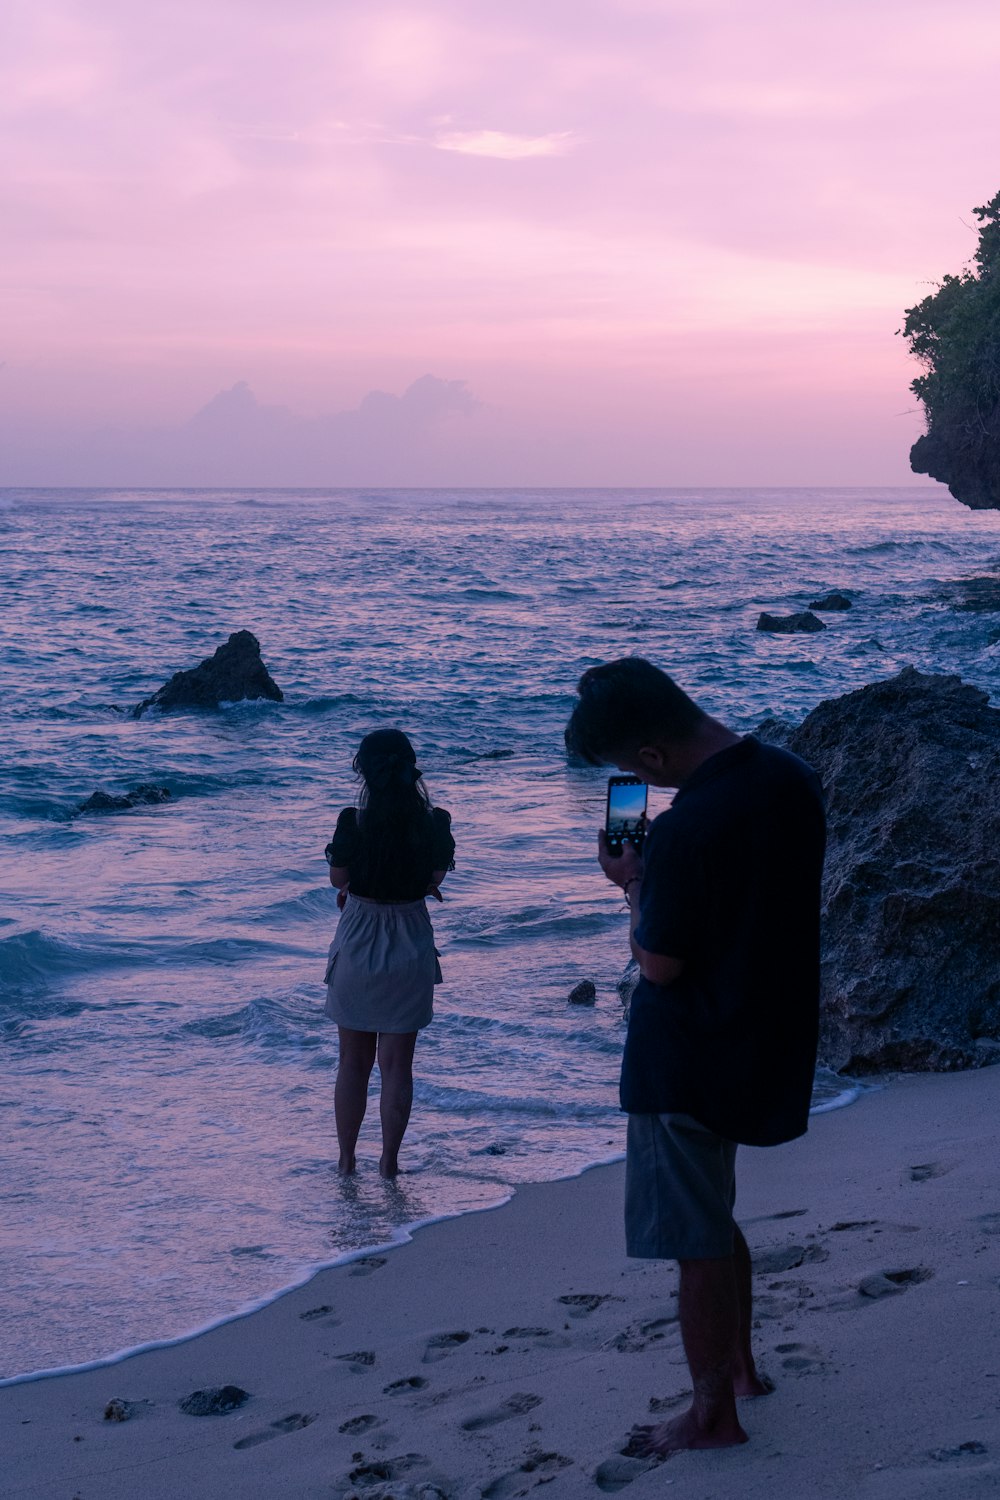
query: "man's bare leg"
747, 1380
710, 1328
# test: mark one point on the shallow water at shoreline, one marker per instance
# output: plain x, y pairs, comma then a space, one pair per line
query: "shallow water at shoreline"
167, 1075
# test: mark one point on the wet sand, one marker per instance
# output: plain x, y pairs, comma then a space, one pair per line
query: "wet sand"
513, 1350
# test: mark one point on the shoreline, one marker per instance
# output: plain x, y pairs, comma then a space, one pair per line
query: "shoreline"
853, 1090
500, 1349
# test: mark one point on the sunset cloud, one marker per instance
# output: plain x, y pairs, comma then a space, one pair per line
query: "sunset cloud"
505, 146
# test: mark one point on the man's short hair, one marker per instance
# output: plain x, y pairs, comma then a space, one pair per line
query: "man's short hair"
624, 705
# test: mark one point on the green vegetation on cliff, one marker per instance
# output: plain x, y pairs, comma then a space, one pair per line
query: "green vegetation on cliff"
955, 334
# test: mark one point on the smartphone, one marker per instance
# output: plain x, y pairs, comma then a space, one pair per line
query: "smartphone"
626, 817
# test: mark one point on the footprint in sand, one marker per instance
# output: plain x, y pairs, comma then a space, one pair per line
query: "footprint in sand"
785, 1213
639, 1336
582, 1303
800, 1358
443, 1344
527, 1333
515, 1406
386, 1479
537, 1468
988, 1223
787, 1258
292, 1423
615, 1473
364, 1423
964, 1450
367, 1265
314, 1313
359, 1361
891, 1283
928, 1170
408, 1383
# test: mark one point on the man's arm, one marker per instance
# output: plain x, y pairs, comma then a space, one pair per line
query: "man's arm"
625, 870
656, 967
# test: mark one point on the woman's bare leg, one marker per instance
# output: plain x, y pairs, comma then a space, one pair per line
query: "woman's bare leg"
350, 1096
395, 1061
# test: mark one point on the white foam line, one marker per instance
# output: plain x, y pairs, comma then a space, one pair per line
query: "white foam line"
842, 1100
403, 1236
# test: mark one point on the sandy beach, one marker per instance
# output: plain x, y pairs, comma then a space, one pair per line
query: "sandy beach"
515, 1348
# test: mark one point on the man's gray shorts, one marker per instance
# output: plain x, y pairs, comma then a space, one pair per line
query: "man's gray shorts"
680, 1188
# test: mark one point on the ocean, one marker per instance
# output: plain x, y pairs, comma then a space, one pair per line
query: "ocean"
166, 1075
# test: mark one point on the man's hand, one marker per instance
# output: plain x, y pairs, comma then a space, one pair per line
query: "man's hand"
619, 868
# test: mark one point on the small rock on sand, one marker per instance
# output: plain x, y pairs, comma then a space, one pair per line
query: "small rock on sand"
214, 1402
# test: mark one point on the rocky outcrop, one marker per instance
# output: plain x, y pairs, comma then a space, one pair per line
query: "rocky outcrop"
627, 984
832, 601
790, 624
233, 674
911, 919
970, 469
911, 888
137, 796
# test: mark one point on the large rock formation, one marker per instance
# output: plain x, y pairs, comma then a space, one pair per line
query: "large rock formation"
911, 921
911, 891
234, 673
971, 470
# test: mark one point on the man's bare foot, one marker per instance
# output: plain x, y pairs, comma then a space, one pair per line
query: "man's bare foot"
750, 1382
347, 1166
388, 1167
682, 1433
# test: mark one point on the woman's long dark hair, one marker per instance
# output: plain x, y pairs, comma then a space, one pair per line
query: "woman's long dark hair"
393, 805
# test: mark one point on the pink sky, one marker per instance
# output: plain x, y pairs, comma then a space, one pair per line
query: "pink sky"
659, 242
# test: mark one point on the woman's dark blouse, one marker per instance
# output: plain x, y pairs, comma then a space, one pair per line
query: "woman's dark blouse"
407, 874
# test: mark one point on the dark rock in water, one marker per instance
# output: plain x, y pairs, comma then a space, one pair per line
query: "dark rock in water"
975, 595
584, 993
138, 796
233, 674
831, 601
911, 933
214, 1402
790, 624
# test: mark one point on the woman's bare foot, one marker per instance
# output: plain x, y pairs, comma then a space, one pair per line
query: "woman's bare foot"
347, 1166
388, 1167
682, 1433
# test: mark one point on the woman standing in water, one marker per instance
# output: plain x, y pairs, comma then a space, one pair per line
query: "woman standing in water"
386, 857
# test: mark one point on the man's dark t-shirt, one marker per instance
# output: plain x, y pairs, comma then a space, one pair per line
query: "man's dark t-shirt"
732, 888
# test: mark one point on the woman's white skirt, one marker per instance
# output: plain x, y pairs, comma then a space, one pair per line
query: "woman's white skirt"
382, 967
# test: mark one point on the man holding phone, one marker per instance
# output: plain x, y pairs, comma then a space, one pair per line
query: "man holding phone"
724, 907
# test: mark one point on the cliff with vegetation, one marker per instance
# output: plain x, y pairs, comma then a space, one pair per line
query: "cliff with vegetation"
955, 334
